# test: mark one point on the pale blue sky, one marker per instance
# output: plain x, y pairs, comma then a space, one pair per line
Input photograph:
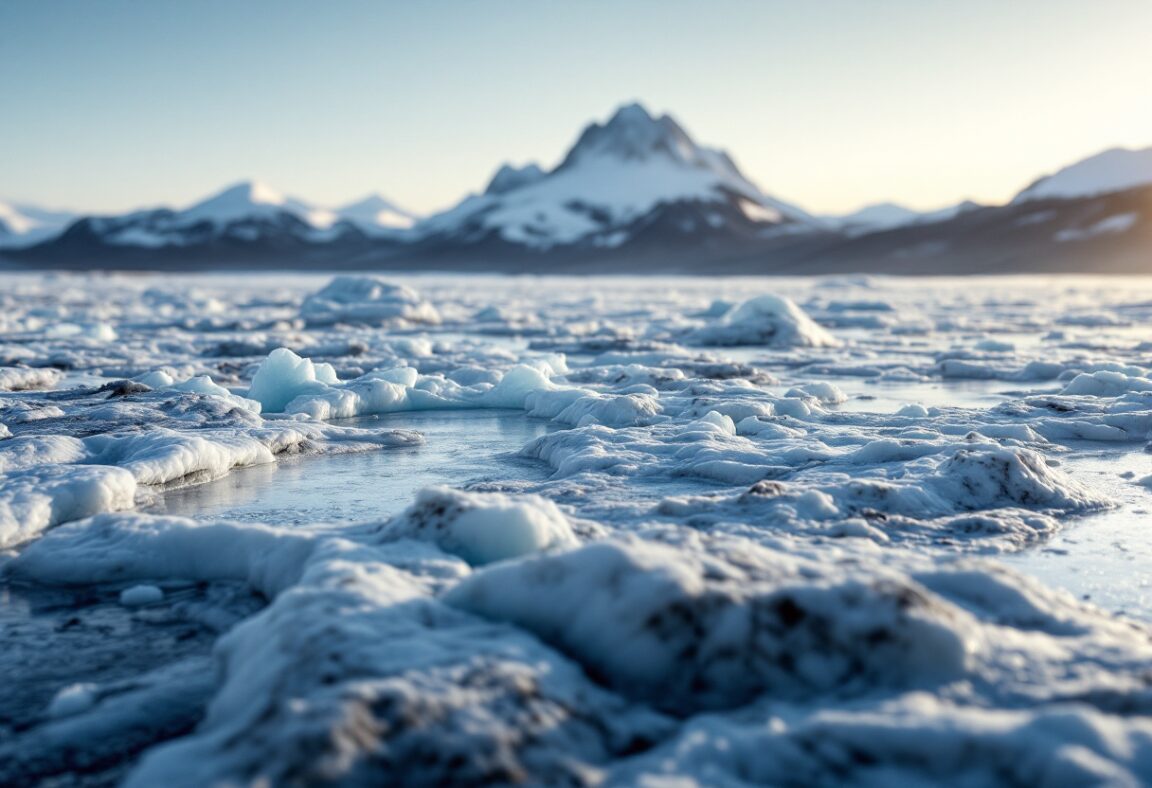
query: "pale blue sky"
107, 105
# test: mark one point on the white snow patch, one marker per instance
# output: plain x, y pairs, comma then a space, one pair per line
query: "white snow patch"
483, 528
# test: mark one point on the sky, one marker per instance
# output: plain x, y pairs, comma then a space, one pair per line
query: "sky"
110, 105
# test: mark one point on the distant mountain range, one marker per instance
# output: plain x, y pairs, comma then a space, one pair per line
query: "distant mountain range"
636, 193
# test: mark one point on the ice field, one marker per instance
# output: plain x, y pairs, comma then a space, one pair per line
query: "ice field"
613, 531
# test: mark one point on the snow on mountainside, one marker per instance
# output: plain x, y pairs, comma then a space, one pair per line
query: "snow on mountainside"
376, 212
21, 224
1113, 170
509, 177
250, 200
248, 213
889, 216
876, 216
615, 174
636, 193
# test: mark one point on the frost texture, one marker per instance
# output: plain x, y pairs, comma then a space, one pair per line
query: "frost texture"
689, 635
694, 534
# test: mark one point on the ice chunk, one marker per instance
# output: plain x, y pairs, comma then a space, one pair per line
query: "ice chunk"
821, 391
287, 383
769, 320
38, 498
368, 300
624, 410
73, 699
114, 548
137, 596
163, 455
283, 376
99, 332
689, 633
1106, 383
483, 527
156, 379
202, 384
24, 378
983, 479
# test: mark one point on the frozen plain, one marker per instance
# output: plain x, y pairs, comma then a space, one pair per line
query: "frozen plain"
312, 530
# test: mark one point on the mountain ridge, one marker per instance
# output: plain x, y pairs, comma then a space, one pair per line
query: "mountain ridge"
635, 186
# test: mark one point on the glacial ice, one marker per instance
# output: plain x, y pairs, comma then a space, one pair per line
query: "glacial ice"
760, 537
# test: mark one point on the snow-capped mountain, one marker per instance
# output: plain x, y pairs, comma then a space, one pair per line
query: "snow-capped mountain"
635, 193
375, 213
510, 177
22, 224
618, 179
888, 216
250, 200
247, 218
1113, 170
245, 213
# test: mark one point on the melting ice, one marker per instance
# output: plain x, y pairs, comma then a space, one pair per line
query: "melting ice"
537, 530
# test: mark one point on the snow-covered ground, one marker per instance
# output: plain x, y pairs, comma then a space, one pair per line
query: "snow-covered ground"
431, 529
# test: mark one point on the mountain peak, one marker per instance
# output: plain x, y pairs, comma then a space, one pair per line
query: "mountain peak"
634, 112
633, 134
510, 177
369, 202
26, 224
235, 200
1112, 170
253, 199
255, 192
375, 211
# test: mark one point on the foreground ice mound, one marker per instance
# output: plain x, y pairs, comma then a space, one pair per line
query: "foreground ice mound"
915, 740
987, 479
768, 320
36, 499
483, 527
688, 633
366, 300
369, 666
353, 674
